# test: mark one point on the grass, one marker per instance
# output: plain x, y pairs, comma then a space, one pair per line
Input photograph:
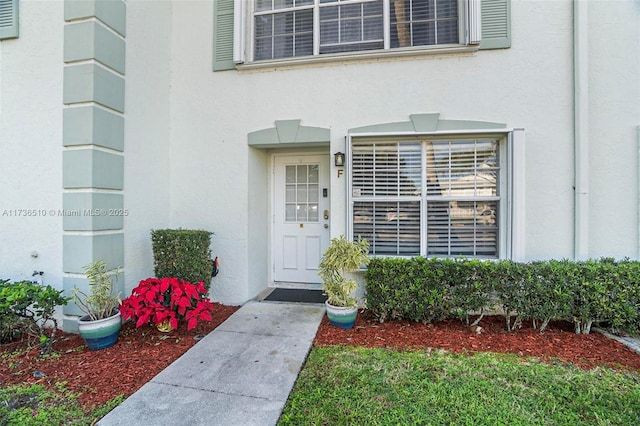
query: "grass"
35, 405
342, 385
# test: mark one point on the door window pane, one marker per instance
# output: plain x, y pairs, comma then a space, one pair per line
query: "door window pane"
290, 174
313, 174
302, 174
290, 194
302, 194
290, 213
313, 212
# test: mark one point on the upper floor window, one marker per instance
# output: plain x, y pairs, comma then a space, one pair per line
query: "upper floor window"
251, 33
293, 28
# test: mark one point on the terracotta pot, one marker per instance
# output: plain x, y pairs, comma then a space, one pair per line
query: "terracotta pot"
102, 333
340, 316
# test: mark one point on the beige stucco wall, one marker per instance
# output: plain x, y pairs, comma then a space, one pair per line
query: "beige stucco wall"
147, 133
31, 145
614, 117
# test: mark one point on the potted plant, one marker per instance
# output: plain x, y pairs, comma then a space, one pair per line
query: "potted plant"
342, 257
165, 301
100, 326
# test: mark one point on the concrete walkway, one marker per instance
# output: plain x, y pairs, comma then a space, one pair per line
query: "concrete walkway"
239, 374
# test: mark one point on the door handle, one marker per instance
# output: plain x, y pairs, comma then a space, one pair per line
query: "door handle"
326, 226
326, 214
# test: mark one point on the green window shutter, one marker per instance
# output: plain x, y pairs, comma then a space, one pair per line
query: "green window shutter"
496, 24
223, 19
8, 19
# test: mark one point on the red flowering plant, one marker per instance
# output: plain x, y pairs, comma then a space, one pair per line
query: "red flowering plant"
167, 299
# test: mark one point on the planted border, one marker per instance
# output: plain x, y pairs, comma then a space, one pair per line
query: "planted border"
603, 291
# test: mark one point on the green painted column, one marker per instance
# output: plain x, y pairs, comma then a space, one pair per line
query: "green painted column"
93, 141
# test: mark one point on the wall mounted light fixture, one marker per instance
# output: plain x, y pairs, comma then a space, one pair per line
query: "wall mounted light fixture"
339, 159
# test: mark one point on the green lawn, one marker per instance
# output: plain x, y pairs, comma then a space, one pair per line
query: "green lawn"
346, 385
34, 405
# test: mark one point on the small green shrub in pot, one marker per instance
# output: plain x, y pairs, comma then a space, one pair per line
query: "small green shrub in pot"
182, 253
100, 326
340, 258
100, 303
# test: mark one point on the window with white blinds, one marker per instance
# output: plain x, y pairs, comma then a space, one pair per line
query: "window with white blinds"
293, 28
427, 197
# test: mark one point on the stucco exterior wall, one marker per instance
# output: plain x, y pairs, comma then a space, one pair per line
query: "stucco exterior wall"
147, 133
614, 117
31, 145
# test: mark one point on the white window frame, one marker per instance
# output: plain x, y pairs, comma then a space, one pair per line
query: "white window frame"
469, 35
511, 216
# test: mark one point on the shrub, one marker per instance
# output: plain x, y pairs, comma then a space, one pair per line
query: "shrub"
627, 296
608, 293
595, 291
412, 289
509, 283
100, 302
182, 253
471, 286
548, 294
27, 307
342, 257
156, 300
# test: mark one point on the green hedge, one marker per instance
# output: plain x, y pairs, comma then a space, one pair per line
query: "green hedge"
601, 291
182, 253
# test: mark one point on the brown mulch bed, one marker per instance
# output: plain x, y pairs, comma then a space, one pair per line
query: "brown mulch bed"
558, 343
99, 376
140, 354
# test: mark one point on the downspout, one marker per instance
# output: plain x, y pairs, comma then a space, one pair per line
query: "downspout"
581, 128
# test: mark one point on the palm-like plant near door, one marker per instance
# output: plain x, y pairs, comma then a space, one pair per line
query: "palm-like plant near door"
339, 259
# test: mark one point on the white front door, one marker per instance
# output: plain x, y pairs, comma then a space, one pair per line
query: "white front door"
301, 217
